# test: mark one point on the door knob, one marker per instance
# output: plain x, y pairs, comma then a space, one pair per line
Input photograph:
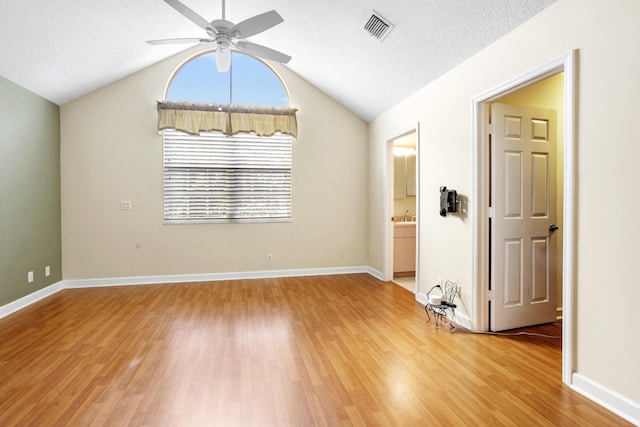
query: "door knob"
553, 227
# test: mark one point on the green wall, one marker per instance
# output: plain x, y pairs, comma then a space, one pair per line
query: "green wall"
30, 236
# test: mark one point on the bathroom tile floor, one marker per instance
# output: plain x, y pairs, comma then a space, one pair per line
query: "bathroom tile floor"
409, 283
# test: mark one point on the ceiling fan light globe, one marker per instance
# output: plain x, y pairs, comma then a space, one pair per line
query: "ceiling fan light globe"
223, 59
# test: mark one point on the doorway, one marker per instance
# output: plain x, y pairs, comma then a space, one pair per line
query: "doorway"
482, 190
401, 210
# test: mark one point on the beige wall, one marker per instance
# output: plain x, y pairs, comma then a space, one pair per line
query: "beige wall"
111, 151
607, 37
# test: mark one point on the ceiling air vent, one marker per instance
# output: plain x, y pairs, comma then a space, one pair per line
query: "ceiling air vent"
377, 26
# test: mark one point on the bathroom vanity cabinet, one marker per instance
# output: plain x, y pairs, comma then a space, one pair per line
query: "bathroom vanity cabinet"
404, 248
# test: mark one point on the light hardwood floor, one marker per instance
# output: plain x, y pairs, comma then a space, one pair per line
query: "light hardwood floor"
326, 351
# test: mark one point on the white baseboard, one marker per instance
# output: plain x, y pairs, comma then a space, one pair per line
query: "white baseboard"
422, 298
375, 273
210, 277
616, 403
27, 300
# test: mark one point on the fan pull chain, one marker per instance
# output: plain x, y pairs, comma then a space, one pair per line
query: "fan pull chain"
231, 81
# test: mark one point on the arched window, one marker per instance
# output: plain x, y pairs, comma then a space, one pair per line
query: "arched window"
249, 82
227, 143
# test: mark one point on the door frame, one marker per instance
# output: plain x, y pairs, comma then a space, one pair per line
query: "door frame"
387, 254
567, 63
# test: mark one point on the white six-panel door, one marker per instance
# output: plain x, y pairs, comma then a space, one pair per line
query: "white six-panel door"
523, 214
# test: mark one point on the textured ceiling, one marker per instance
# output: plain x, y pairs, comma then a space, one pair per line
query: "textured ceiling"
62, 49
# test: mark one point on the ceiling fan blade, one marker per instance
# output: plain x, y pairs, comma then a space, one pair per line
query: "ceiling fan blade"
255, 25
178, 41
191, 15
262, 51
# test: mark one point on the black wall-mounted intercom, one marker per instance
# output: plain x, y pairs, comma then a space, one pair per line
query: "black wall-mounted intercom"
448, 201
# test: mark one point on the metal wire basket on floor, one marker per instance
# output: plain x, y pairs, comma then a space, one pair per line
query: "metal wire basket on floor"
441, 304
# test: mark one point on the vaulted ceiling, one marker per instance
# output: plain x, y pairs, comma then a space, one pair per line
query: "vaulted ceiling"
62, 49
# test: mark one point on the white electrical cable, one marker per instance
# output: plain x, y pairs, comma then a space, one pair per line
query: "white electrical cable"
511, 334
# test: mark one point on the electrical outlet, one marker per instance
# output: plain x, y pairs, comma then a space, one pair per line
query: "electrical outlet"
269, 257
125, 205
30, 276
47, 271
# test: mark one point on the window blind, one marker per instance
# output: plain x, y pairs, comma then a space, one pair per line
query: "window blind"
217, 178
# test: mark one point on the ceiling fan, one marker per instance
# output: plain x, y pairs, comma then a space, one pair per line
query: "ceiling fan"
227, 34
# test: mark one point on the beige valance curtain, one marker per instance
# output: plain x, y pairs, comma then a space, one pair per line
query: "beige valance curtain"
228, 119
